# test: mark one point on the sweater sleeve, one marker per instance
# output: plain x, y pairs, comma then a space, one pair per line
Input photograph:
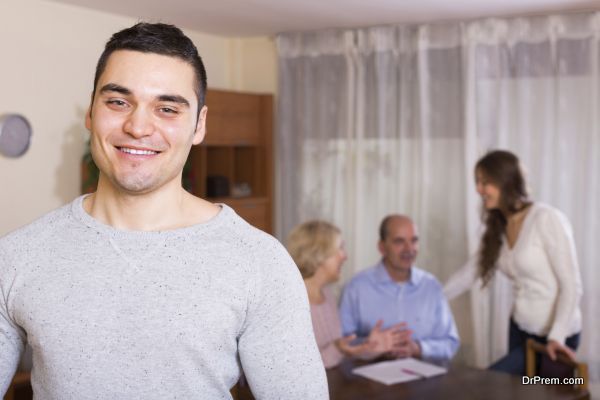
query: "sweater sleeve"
330, 354
326, 324
559, 245
12, 341
277, 340
462, 280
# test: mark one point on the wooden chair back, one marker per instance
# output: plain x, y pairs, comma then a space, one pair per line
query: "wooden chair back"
19, 380
563, 367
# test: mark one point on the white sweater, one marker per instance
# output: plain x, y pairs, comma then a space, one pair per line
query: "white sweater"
113, 314
543, 268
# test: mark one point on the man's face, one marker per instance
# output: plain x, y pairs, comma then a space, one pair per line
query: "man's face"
401, 245
143, 121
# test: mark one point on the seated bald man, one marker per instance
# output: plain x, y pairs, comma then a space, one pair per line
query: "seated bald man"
396, 291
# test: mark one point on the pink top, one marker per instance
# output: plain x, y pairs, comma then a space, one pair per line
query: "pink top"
327, 327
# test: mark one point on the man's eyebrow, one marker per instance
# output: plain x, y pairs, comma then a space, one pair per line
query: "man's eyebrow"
113, 87
174, 98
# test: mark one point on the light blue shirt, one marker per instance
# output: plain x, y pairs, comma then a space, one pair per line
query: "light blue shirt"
372, 295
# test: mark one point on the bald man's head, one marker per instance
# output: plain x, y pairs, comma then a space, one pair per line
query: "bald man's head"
383, 227
398, 245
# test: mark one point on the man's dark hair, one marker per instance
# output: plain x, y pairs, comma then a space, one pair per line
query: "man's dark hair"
164, 39
383, 227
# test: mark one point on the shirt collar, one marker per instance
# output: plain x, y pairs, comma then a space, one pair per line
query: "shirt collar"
382, 277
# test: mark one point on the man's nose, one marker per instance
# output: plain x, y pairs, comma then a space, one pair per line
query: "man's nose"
408, 247
139, 123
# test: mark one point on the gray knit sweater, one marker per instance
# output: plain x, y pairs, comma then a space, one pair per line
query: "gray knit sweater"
112, 314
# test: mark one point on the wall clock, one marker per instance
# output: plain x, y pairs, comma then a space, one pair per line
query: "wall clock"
15, 135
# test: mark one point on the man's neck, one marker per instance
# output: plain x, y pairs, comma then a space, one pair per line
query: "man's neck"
167, 208
397, 275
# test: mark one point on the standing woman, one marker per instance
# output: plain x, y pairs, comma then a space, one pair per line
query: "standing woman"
318, 250
532, 244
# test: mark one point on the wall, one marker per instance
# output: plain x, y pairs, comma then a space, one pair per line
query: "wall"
49, 52
255, 64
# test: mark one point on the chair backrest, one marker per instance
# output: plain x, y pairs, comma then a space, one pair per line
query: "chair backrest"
563, 367
19, 380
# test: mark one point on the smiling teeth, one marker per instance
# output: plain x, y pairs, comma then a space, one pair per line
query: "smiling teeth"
138, 152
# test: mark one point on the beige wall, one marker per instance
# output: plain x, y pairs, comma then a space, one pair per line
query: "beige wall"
49, 52
255, 67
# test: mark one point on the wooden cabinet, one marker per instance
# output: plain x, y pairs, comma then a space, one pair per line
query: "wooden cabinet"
237, 152
234, 118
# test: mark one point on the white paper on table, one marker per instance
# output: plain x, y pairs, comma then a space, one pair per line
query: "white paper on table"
397, 371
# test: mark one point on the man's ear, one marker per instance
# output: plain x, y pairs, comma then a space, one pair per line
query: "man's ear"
200, 126
380, 247
88, 118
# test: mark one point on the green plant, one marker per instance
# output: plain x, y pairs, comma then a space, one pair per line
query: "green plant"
89, 171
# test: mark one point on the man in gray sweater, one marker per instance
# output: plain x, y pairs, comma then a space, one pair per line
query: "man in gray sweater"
141, 290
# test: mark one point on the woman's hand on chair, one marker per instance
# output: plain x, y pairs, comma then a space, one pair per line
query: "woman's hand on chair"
553, 347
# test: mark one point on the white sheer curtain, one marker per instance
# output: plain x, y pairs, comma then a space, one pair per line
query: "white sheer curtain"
392, 119
536, 91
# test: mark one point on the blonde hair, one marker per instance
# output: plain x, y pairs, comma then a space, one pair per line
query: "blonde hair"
311, 243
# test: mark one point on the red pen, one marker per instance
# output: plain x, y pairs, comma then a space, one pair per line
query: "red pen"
411, 372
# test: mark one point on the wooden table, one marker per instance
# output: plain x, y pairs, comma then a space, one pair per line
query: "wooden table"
458, 383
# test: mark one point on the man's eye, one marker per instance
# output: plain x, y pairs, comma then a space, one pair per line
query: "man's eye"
168, 110
118, 103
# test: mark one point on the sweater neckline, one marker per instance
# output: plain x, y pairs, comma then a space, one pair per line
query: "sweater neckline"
524, 232
80, 214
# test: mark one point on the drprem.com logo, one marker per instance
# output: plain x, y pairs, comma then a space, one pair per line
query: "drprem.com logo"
538, 380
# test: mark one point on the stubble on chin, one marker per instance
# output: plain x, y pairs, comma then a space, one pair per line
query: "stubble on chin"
135, 183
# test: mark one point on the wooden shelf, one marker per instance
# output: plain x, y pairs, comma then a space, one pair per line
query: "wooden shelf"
234, 118
237, 150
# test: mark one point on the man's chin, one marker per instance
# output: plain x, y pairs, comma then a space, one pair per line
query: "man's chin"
407, 264
402, 267
135, 186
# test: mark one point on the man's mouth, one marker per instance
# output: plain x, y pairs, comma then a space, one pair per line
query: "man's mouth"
138, 152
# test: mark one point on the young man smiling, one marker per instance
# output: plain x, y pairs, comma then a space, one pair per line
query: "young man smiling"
141, 290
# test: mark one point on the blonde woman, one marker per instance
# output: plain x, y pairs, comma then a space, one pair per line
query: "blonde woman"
318, 250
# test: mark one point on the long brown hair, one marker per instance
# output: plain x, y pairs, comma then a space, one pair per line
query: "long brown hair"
502, 168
